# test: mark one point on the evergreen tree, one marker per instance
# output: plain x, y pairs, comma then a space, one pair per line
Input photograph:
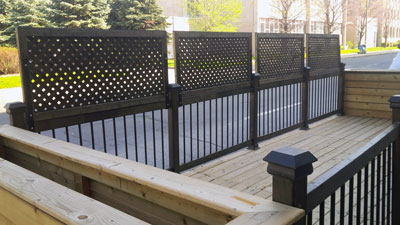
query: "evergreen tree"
136, 15
4, 13
79, 13
4, 17
24, 13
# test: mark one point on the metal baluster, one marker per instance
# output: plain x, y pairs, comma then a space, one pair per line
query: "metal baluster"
351, 194
154, 139
365, 194
342, 201
115, 136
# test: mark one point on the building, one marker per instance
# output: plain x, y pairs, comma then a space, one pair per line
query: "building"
260, 16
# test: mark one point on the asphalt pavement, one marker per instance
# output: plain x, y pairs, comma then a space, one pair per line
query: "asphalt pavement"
370, 61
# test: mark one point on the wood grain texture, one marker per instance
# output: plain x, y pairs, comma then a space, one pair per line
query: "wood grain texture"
367, 94
199, 200
36, 200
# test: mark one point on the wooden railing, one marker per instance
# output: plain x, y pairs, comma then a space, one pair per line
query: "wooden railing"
108, 90
359, 190
151, 194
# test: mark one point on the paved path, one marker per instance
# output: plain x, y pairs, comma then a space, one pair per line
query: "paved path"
371, 61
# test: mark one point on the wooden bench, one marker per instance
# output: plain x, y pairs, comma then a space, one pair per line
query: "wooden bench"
151, 194
27, 198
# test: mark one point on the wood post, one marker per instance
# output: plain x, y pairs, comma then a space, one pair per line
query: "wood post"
17, 112
304, 98
289, 168
174, 101
341, 89
255, 85
395, 105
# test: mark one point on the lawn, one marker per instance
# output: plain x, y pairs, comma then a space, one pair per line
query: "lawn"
10, 81
374, 49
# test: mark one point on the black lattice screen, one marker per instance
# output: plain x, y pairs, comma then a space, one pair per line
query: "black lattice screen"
212, 59
280, 56
323, 53
68, 68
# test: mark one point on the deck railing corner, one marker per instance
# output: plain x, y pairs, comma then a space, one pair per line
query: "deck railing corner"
17, 111
290, 168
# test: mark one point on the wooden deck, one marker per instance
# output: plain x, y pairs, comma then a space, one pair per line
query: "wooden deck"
330, 140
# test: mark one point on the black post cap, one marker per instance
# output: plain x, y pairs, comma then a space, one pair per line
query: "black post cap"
395, 101
174, 86
290, 162
15, 107
256, 75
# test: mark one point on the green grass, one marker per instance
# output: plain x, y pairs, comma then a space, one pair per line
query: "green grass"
10, 81
171, 63
374, 49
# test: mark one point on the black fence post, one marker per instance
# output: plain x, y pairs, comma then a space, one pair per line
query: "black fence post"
289, 168
174, 101
17, 111
341, 89
304, 98
255, 86
395, 105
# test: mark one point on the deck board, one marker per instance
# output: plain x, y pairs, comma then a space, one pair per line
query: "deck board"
330, 140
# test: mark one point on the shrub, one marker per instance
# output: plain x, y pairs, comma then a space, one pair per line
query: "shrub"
350, 45
8, 60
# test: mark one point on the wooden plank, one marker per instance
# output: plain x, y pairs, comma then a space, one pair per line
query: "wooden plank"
138, 207
380, 77
369, 113
33, 203
371, 91
202, 201
5, 221
375, 85
21, 212
368, 106
367, 98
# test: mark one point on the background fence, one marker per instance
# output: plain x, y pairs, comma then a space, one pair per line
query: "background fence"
109, 90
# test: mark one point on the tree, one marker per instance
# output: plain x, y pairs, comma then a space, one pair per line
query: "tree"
385, 18
4, 17
214, 15
79, 13
362, 11
289, 11
24, 13
330, 11
136, 15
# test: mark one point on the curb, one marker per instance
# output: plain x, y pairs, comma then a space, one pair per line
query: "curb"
353, 55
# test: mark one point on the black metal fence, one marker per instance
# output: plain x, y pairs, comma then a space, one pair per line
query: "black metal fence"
359, 190
108, 90
362, 189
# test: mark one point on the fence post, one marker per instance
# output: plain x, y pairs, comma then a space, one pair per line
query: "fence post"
17, 111
341, 89
289, 168
395, 105
304, 98
174, 101
255, 86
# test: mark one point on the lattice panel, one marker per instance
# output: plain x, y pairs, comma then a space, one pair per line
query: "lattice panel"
323, 53
212, 61
280, 56
69, 72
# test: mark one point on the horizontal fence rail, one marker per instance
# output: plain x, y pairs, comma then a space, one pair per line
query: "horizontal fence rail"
108, 90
